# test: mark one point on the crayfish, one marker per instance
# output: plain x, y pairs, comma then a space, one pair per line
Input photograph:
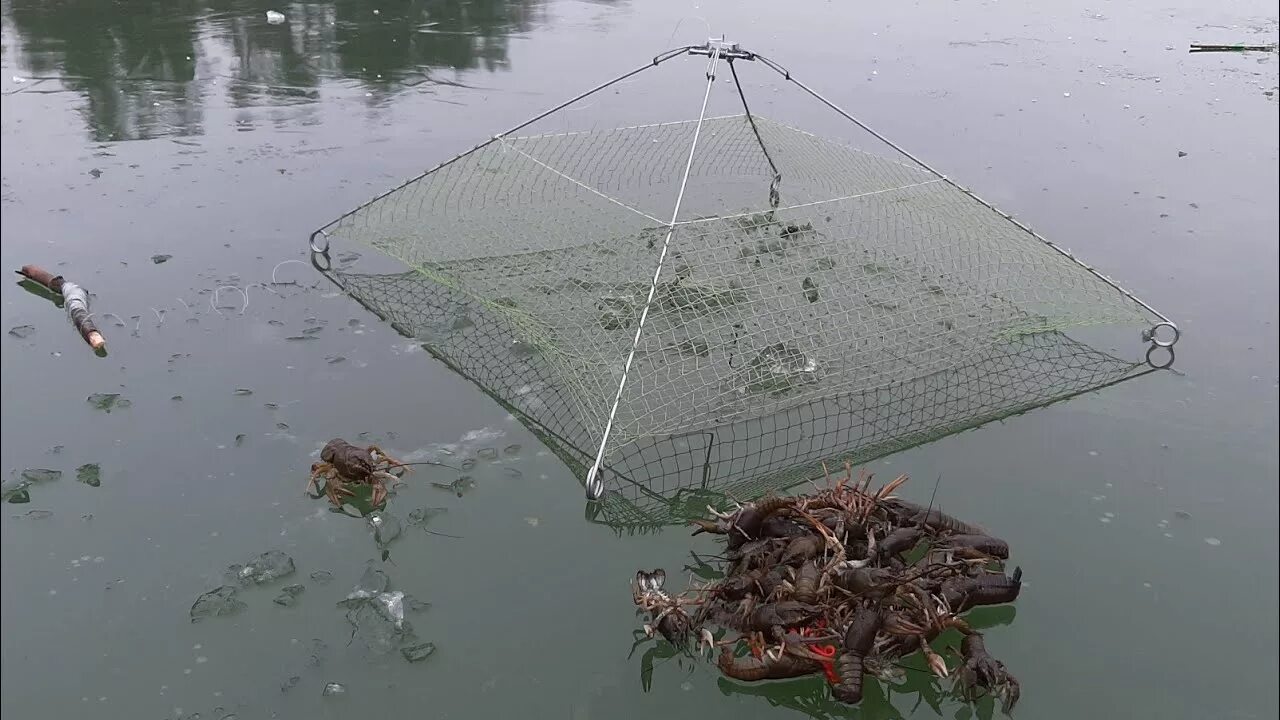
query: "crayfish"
343, 464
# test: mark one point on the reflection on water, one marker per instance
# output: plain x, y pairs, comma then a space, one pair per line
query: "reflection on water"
148, 69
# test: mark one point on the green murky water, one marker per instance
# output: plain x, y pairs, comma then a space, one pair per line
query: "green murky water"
169, 156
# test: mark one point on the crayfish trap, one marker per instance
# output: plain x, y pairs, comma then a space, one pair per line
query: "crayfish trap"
716, 299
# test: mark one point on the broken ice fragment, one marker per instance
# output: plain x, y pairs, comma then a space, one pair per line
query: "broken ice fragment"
288, 595
372, 582
268, 566
416, 653
22, 331
386, 527
322, 577
457, 487
243, 392
89, 474
107, 402
161, 258
37, 475
333, 688
422, 515
216, 603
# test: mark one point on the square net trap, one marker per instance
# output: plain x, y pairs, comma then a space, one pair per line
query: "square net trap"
721, 303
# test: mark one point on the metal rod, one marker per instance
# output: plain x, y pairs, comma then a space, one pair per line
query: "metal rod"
657, 60
594, 485
786, 74
775, 198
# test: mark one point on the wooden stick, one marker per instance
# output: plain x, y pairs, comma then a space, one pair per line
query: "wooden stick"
76, 302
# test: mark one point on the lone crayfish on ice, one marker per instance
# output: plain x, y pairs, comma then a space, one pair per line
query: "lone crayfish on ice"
343, 464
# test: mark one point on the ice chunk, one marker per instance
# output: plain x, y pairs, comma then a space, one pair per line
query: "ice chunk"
107, 402
386, 528
38, 475
322, 577
288, 595
418, 652
372, 582
333, 688
89, 474
374, 625
274, 17
421, 516
216, 603
269, 566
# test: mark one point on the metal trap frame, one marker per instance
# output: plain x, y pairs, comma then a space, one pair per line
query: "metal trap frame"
998, 347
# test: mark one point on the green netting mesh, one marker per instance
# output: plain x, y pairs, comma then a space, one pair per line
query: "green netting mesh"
875, 307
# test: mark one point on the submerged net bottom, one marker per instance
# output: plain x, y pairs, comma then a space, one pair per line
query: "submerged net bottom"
658, 480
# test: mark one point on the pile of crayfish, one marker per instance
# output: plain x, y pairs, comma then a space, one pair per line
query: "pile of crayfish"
846, 582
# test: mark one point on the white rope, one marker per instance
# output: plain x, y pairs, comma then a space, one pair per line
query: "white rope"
579, 183
595, 485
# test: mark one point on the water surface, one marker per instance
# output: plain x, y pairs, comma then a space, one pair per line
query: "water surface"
1144, 516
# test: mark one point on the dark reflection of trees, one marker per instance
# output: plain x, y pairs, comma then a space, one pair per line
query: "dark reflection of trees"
146, 67
136, 71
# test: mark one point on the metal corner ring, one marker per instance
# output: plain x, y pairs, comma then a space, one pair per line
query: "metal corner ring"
1157, 346
312, 242
1155, 339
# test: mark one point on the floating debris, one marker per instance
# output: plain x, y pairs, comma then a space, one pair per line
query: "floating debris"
89, 474
242, 392
22, 332
217, 603
161, 258
832, 583
240, 439
38, 514
107, 402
